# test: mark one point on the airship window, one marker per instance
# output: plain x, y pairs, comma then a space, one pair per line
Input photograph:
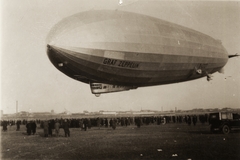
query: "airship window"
60, 64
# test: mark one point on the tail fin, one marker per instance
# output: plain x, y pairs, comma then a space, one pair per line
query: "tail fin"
233, 55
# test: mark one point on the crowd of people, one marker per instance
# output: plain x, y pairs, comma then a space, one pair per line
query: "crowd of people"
31, 127
86, 123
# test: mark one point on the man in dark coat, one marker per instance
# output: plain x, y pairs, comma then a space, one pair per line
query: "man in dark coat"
57, 127
89, 124
85, 122
189, 120
98, 123
45, 128
106, 122
4, 124
28, 126
138, 122
114, 124
18, 125
33, 127
66, 128
194, 120
49, 128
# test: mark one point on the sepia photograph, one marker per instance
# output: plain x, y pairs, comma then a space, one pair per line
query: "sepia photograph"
120, 79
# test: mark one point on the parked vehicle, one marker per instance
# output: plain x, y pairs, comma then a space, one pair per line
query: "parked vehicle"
224, 122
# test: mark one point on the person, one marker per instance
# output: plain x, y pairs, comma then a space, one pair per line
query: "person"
110, 122
28, 126
122, 122
45, 128
49, 128
106, 123
18, 125
194, 120
33, 127
4, 123
57, 126
81, 124
98, 122
66, 128
89, 124
125, 121
85, 122
113, 124
138, 122
189, 120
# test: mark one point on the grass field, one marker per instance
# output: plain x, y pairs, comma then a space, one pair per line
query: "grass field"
170, 141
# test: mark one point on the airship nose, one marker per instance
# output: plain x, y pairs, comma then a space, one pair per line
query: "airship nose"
60, 58
49, 52
54, 55
48, 48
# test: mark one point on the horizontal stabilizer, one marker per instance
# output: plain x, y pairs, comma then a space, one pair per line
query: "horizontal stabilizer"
98, 88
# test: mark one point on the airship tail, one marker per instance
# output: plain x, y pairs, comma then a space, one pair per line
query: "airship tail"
229, 56
233, 55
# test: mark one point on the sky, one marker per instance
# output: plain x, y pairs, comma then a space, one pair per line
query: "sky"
29, 79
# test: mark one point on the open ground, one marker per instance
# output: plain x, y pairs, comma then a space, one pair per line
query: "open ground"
169, 141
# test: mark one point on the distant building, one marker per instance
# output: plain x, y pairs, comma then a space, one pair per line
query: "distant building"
78, 114
65, 113
85, 111
52, 111
109, 112
23, 113
143, 113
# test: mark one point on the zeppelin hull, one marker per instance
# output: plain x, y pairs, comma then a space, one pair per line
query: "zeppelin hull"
141, 71
123, 48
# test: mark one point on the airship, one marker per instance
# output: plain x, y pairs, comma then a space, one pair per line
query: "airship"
114, 51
